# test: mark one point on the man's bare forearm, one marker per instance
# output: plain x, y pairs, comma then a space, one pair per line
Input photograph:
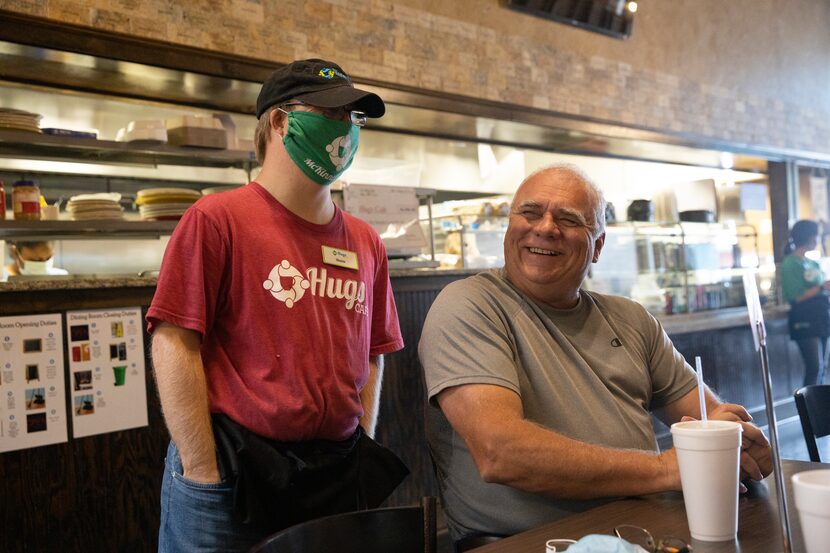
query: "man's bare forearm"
370, 396
510, 450
538, 460
180, 378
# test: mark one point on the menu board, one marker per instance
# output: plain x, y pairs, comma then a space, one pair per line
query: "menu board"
106, 370
393, 213
32, 384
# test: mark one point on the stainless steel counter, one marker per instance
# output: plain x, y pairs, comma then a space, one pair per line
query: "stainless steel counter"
86, 282
674, 324
717, 319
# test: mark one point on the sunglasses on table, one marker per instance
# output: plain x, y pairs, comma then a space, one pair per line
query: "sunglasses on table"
643, 538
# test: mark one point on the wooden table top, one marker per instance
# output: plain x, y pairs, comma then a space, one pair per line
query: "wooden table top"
665, 515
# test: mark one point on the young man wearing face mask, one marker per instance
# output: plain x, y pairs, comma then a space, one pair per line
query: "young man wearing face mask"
272, 311
33, 259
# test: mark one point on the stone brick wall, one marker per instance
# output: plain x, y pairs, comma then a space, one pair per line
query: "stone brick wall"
744, 71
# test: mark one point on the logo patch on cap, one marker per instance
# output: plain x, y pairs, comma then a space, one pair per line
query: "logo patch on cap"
331, 72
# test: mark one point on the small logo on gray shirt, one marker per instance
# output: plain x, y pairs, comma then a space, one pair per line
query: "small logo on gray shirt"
616, 343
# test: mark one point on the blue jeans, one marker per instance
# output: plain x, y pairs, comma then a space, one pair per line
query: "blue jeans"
198, 518
814, 353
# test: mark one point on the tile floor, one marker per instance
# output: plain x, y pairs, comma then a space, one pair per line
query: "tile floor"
792, 444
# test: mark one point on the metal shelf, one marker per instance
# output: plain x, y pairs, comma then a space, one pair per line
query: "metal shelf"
23, 144
82, 230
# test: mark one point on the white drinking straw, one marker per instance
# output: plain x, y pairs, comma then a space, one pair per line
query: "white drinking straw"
700, 393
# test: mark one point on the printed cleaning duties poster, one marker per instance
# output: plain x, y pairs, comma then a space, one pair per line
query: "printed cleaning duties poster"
106, 370
32, 384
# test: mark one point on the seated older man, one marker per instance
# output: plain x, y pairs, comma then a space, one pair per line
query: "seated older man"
540, 393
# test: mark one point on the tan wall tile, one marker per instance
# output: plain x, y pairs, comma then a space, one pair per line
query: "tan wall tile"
78, 13
30, 7
455, 48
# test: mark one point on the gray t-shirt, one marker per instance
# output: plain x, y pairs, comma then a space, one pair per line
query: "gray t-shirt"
591, 373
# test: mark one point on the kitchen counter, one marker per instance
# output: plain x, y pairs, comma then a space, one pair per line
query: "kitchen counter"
674, 324
85, 282
716, 319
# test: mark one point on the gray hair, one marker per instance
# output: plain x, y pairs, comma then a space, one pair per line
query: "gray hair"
598, 226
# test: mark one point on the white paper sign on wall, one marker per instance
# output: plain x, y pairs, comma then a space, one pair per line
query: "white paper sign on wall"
393, 213
32, 383
106, 370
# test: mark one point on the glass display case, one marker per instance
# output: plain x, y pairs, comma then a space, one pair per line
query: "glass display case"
678, 267
668, 268
469, 241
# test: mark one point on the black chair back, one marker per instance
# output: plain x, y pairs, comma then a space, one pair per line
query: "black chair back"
813, 404
398, 529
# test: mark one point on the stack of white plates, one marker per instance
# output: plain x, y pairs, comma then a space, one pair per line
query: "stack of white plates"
164, 204
95, 206
19, 120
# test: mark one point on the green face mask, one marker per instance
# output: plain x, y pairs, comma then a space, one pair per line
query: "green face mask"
321, 147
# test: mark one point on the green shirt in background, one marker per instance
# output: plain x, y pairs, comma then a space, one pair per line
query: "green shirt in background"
799, 274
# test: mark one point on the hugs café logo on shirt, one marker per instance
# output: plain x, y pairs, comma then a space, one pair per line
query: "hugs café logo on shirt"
317, 281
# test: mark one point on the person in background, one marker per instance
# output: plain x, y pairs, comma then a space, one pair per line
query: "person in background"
804, 287
33, 258
541, 393
271, 315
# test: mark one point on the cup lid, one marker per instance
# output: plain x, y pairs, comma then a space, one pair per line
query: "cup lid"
709, 426
819, 479
812, 491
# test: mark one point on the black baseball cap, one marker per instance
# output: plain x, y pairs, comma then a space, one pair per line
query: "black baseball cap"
317, 82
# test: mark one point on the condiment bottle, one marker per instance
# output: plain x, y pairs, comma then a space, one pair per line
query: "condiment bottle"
26, 200
2, 202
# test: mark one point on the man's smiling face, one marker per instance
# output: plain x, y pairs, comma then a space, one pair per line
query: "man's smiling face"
550, 242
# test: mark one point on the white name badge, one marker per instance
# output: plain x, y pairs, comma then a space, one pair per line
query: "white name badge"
339, 257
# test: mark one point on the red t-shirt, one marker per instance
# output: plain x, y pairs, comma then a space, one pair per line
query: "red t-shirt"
286, 338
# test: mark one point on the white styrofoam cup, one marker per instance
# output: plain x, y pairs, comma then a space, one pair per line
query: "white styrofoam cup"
812, 500
709, 456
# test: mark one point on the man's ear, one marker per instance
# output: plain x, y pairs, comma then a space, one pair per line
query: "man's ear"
598, 244
278, 121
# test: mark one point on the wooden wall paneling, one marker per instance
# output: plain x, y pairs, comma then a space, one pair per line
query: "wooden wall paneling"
401, 424
94, 494
737, 371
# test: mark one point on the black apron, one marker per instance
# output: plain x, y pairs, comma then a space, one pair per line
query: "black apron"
279, 484
810, 318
